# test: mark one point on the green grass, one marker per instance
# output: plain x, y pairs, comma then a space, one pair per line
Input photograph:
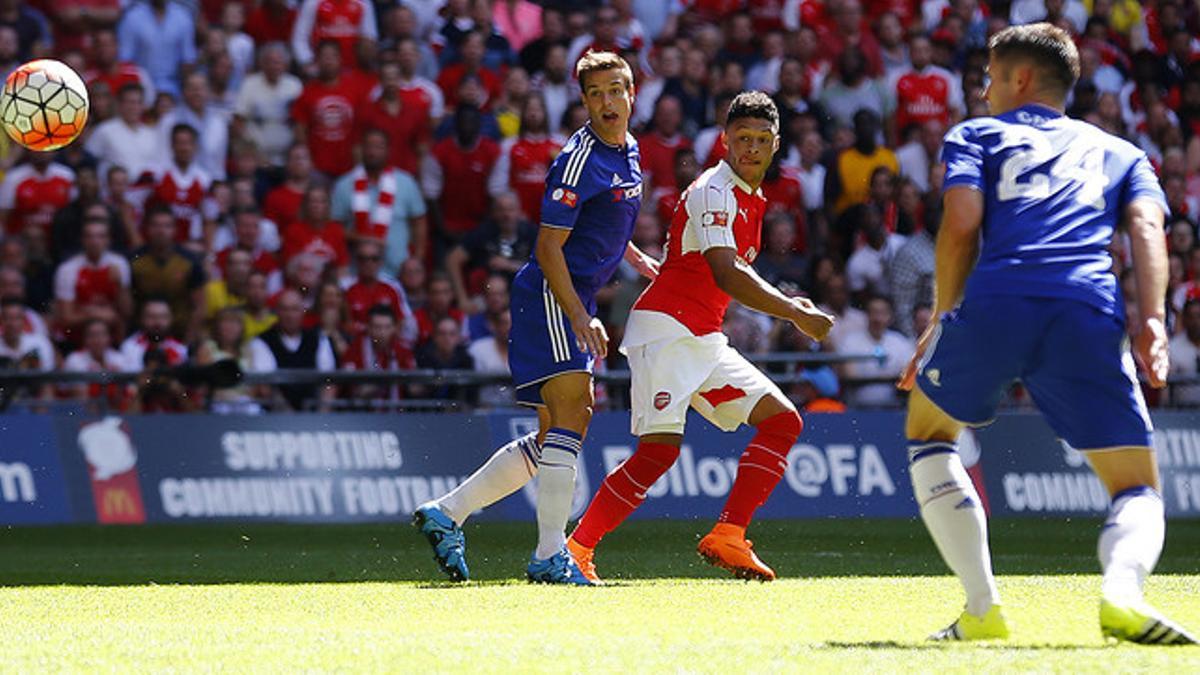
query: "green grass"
854, 596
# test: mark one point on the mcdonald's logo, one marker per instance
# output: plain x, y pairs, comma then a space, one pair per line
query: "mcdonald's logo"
118, 505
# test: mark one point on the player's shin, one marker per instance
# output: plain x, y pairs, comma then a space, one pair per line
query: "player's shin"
623, 491
504, 473
954, 516
1130, 543
556, 487
761, 467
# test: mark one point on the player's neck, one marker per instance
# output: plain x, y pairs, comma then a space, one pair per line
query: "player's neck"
616, 142
1059, 107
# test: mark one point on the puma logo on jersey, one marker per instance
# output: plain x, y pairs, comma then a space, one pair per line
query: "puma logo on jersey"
742, 213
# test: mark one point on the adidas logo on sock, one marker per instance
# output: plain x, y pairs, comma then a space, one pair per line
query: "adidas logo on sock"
966, 503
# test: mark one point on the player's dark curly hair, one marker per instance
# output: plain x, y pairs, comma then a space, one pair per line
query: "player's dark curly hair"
1047, 46
753, 104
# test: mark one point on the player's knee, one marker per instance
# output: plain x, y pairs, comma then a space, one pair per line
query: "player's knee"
786, 426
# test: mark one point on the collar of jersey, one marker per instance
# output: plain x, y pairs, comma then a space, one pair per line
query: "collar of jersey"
596, 136
737, 180
1041, 109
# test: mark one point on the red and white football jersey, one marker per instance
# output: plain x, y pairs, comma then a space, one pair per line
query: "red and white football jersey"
343, 22
134, 349
925, 95
33, 198
80, 281
184, 193
718, 210
528, 162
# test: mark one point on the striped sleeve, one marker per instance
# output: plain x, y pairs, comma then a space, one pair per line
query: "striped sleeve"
568, 183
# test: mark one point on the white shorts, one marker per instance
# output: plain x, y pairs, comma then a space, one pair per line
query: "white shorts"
671, 374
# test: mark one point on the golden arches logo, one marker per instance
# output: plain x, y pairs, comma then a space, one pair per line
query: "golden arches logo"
118, 503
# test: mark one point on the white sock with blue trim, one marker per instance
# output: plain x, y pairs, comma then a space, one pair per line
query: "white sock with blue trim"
1130, 543
954, 516
508, 469
556, 488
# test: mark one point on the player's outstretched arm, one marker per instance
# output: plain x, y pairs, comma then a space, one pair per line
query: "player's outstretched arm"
589, 331
743, 284
1144, 221
954, 257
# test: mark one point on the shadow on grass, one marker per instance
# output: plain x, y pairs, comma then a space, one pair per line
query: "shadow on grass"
887, 645
499, 552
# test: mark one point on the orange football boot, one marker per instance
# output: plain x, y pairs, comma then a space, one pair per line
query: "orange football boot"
585, 558
727, 547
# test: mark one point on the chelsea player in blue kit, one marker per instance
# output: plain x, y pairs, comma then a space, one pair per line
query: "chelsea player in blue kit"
593, 194
1024, 290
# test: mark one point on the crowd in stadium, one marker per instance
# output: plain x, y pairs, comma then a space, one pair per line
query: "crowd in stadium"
348, 184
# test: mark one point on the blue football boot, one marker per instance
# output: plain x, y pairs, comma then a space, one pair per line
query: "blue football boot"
559, 568
447, 539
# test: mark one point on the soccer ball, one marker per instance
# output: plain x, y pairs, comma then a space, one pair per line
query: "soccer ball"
44, 105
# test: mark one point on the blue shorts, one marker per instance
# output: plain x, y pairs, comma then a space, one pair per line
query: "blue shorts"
1073, 358
541, 343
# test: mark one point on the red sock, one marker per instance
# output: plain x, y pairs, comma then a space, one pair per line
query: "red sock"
761, 467
623, 491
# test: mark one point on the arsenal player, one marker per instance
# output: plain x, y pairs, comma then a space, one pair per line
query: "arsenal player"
680, 359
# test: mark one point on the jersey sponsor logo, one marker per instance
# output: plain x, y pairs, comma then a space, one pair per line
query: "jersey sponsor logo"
715, 219
627, 193
662, 399
564, 196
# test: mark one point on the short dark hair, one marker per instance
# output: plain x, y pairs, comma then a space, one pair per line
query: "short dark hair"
594, 62
1046, 46
183, 128
381, 310
754, 104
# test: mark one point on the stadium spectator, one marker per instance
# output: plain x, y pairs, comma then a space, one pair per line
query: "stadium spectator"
93, 284
501, 245
494, 301
847, 31
246, 236
444, 351
413, 279
256, 314
263, 102
925, 92
911, 277
509, 106
164, 270
659, 145
691, 90
784, 193
523, 161
38, 273
556, 86
520, 21
685, 170
96, 355
230, 289
849, 181
330, 316
127, 141
439, 305
851, 90
9, 47
20, 350
378, 349
271, 21
228, 341
534, 55
370, 287
210, 121
182, 186
12, 285
288, 344
916, 157
31, 193
345, 23
109, 71
457, 178
316, 233
379, 202
1185, 355
415, 85
835, 295
778, 263
31, 27
489, 355
890, 349
66, 230
867, 268
471, 65
160, 37
325, 113
404, 117
154, 334
282, 203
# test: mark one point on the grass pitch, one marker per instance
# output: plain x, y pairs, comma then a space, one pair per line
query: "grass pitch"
853, 596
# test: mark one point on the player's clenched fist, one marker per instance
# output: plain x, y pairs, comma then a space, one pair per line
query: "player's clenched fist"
810, 320
590, 335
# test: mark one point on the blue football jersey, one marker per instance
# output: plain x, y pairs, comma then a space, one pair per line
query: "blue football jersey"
594, 190
1054, 192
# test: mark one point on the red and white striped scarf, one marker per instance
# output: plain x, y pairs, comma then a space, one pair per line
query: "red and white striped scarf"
373, 222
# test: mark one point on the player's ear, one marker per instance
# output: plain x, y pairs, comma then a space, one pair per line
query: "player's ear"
775, 145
